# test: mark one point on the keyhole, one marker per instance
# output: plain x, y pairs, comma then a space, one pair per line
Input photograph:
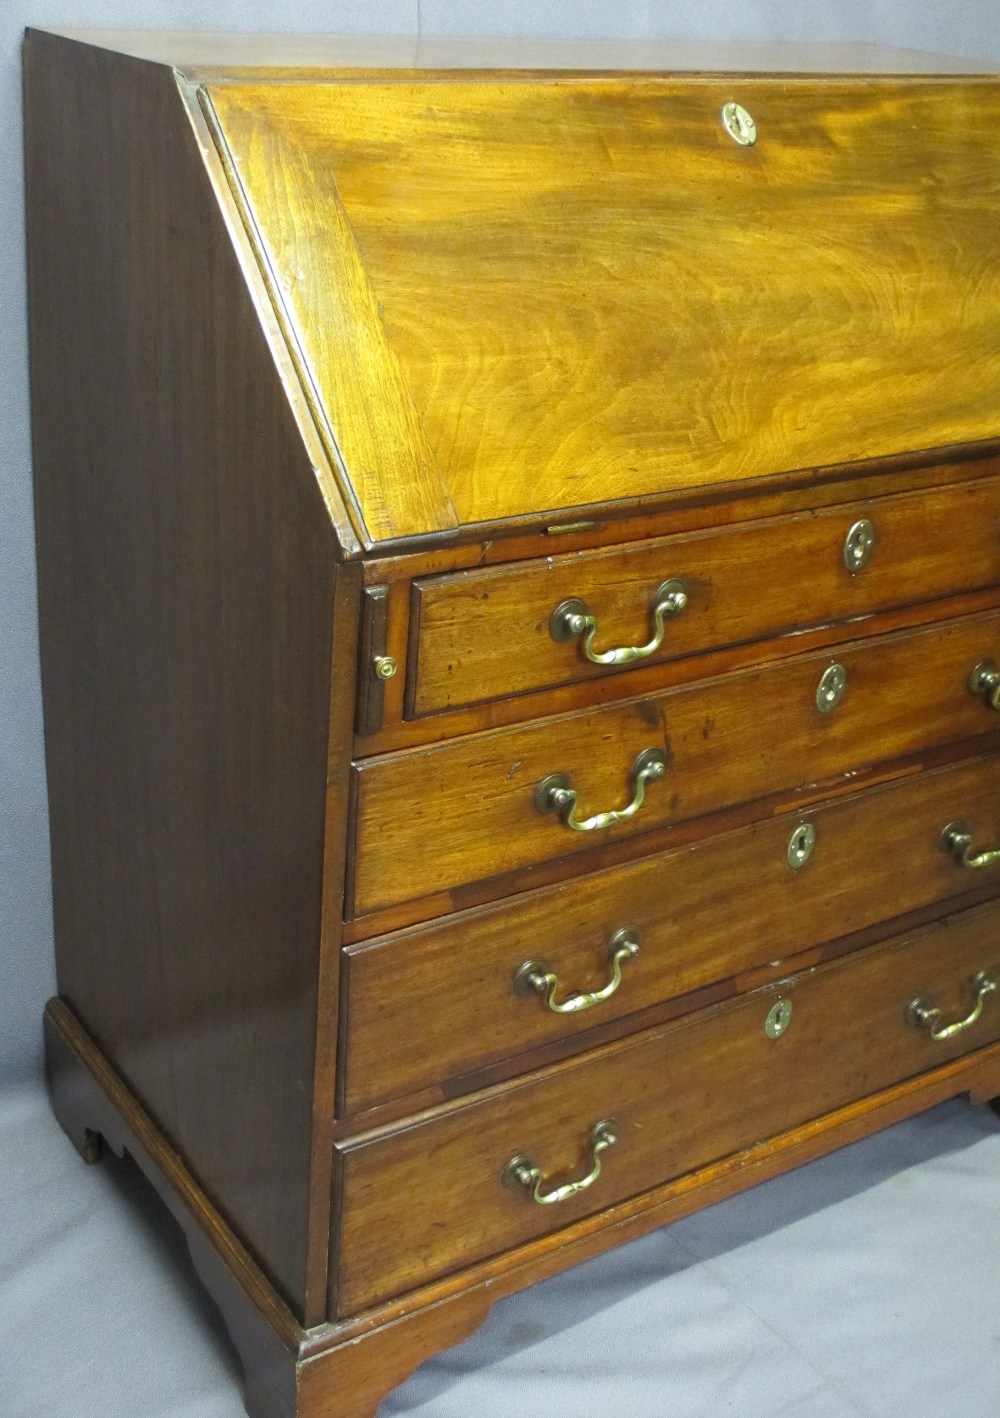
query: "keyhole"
800, 845
830, 689
778, 1018
739, 125
858, 545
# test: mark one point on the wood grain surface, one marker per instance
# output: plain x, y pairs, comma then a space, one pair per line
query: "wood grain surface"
807, 491
430, 1005
431, 819
588, 293
187, 585
744, 583
429, 1199
342, 1369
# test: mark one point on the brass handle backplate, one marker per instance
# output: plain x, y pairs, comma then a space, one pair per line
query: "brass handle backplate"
556, 794
535, 977
958, 841
985, 681
521, 1172
927, 1016
571, 619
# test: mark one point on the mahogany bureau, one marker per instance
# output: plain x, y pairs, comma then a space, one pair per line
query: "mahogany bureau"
519, 569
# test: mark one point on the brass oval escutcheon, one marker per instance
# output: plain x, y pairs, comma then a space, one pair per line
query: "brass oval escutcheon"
859, 545
800, 845
739, 125
831, 687
779, 1016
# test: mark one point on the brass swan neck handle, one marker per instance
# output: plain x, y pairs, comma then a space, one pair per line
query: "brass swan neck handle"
557, 794
985, 681
571, 620
535, 977
957, 840
521, 1172
927, 1016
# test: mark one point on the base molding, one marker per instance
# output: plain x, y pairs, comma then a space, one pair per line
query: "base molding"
289, 1372
345, 1370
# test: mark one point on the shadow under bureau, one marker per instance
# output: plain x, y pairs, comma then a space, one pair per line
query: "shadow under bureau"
519, 577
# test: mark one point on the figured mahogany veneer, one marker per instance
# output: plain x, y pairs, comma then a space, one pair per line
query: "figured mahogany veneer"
349, 364
624, 300
464, 810
744, 583
674, 1097
426, 1006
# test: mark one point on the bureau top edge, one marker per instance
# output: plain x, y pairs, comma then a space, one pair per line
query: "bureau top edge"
204, 51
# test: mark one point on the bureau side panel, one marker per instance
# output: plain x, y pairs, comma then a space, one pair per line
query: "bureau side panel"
187, 582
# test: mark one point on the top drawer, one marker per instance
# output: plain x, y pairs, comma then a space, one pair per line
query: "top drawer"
507, 630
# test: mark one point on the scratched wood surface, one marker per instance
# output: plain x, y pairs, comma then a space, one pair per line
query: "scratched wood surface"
673, 1097
764, 578
430, 819
582, 291
439, 1002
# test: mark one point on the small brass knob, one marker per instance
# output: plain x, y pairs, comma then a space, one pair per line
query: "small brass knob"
385, 666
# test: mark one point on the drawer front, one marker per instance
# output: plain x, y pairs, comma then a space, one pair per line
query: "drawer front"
434, 1004
429, 1198
429, 820
489, 634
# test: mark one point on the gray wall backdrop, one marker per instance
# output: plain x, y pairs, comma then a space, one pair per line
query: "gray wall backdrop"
962, 27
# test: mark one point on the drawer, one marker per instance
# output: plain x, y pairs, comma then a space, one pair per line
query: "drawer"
491, 633
430, 1005
429, 820
429, 1198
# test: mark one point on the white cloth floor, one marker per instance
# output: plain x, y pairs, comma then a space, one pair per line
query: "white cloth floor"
863, 1284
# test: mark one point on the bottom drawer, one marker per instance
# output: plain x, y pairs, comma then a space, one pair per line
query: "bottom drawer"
432, 1196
